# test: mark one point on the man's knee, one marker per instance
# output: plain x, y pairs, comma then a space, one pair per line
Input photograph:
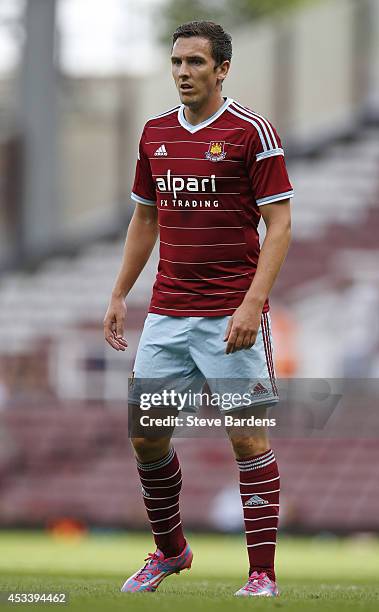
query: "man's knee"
249, 446
150, 449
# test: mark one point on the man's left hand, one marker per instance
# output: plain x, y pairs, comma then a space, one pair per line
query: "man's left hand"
242, 328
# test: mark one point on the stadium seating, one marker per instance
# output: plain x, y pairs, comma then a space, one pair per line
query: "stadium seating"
78, 463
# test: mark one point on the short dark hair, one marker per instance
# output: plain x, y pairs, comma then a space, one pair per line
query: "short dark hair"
221, 41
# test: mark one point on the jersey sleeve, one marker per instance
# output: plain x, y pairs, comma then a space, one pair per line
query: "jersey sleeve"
266, 166
143, 187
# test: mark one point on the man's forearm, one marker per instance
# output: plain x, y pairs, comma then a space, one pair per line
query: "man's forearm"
140, 240
271, 258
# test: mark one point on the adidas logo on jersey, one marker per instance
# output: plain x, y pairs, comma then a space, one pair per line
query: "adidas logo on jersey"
161, 151
255, 500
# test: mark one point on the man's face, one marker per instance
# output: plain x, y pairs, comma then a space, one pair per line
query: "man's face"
194, 71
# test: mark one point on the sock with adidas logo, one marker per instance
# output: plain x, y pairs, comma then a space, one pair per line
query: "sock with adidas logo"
259, 489
161, 484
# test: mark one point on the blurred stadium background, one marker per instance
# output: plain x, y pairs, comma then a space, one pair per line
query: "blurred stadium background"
78, 80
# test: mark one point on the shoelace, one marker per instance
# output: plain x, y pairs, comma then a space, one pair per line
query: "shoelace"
256, 581
144, 572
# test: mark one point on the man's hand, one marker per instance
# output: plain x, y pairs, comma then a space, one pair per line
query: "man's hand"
242, 328
114, 322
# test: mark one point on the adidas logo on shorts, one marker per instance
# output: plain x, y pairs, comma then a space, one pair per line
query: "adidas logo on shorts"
259, 389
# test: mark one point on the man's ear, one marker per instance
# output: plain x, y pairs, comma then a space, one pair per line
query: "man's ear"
223, 70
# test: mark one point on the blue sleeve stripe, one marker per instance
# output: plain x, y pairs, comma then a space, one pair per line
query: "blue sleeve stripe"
275, 198
141, 200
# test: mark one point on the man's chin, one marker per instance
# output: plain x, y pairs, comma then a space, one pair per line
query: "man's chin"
187, 99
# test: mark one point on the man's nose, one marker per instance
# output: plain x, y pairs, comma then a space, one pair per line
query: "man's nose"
183, 70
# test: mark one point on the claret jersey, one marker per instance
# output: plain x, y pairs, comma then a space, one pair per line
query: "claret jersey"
208, 182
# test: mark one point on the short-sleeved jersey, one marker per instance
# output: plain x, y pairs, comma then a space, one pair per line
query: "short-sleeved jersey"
208, 182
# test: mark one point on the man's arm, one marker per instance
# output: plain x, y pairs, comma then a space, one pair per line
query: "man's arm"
140, 240
243, 326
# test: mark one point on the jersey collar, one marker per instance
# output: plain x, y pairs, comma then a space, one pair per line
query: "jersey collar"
195, 128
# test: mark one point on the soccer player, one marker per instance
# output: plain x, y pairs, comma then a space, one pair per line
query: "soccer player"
207, 171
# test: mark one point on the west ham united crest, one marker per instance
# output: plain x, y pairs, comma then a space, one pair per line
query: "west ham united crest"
216, 151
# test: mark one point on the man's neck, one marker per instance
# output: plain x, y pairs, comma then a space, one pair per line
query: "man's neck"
194, 116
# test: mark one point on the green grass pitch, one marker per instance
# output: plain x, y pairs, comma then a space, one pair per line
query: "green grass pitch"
313, 573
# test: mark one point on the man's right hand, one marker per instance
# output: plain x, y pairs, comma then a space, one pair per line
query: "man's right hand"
114, 322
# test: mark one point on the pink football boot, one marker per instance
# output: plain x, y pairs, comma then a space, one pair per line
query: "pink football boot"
258, 585
157, 568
